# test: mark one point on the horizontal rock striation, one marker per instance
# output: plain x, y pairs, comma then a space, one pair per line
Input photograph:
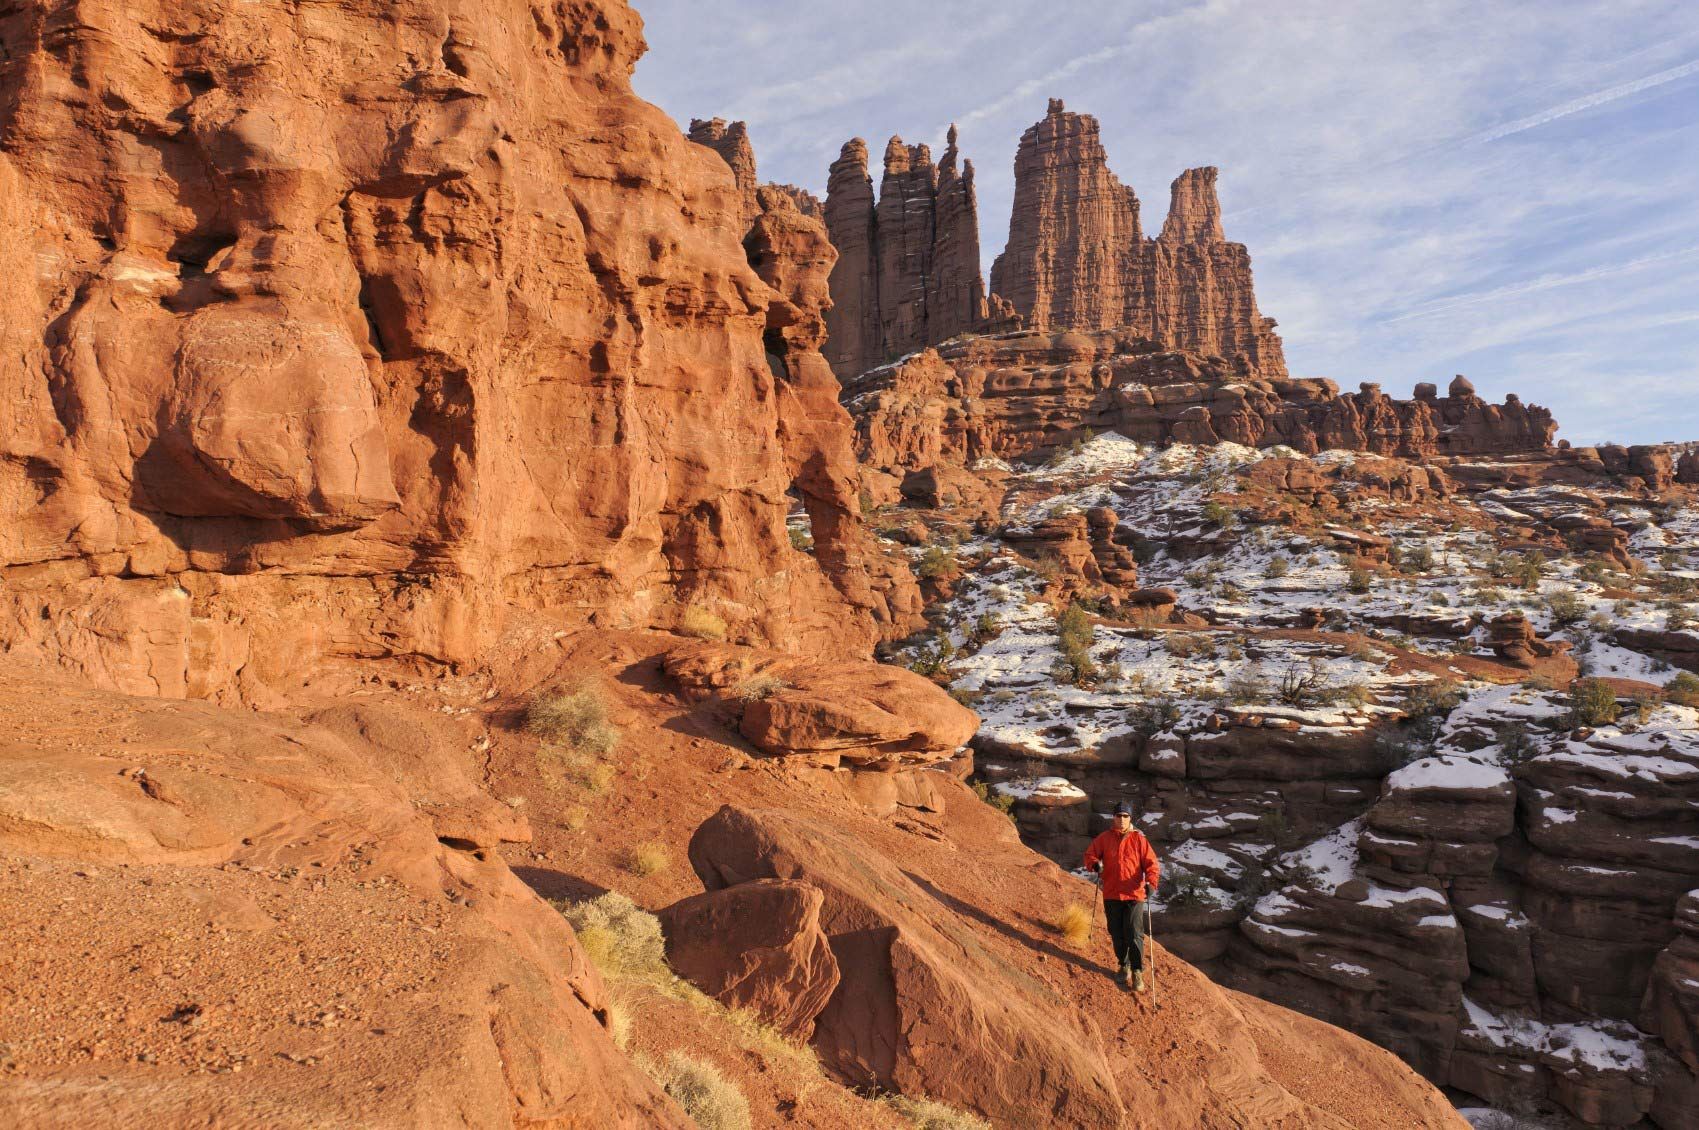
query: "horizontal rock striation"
1020, 394
908, 272
1077, 256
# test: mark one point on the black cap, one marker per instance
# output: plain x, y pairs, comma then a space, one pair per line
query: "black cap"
1123, 809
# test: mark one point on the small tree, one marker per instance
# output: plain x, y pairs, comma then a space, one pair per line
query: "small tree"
1592, 702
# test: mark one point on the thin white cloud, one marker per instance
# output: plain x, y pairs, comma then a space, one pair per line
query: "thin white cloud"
1585, 102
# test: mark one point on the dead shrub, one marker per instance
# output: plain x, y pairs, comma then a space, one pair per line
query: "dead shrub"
926, 1114
700, 622
576, 719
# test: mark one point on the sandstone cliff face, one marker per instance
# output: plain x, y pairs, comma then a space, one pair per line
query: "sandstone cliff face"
908, 272
1077, 257
1015, 395
350, 338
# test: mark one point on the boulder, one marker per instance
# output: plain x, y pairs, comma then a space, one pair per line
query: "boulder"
756, 946
919, 1008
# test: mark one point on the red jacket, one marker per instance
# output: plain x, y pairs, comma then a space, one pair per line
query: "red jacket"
1129, 864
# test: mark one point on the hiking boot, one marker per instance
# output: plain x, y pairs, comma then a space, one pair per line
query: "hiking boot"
1138, 980
1126, 975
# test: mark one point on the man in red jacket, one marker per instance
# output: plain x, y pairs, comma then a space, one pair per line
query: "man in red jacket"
1130, 871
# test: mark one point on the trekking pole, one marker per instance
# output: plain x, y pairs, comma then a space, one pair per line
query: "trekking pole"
1150, 951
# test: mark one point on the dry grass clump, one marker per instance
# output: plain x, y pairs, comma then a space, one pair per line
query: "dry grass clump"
575, 718
701, 1089
757, 687
925, 1114
647, 859
619, 938
1073, 922
701, 623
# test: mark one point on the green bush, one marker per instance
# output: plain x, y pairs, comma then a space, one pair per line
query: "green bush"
1566, 606
1217, 515
1359, 580
1592, 702
1419, 559
937, 562
1153, 717
1529, 569
1184, 889
1515, 743
1683, 690
1437, 698
801, 539
1074, 637
1277, 567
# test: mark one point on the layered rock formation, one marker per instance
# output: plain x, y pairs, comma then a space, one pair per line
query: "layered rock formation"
1077, 256
1024, 394
908, 271
354, 351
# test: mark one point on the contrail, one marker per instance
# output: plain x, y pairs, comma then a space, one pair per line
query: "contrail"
1585, 102
1544, 282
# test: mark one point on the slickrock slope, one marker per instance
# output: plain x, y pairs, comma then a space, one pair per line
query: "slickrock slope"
221, 918
1077, 257
1023, 394
1340, 692
348, 342
908, 272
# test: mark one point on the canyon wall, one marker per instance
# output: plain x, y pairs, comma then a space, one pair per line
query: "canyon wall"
1023, 394
341, 344
908, 271
1077, 256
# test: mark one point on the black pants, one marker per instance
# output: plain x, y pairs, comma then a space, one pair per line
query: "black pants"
1129, 921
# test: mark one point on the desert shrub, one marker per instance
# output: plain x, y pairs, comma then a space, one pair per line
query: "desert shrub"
1182, 645
1642, 705
965, 696
1145, 549
1274, 827
1677, 618
1437, 698
1217, 515
576, 719
1515, 743
937, 561
1277, 567
1592, 702
619, 938
1153, 716
1566, 606
574, 817
1003, 694
925, 1114
1247, 685
1182, 889
758, 687
1359, 580
801, 539
1303, 687
1359, 649
1300, 874
1418, 559
1529, 568
1594, 571
1073, 922
867, 507
1252, 885
984, 630
1074, 637
931, 660
646, 859
1683, 690
706, 1095
700, 622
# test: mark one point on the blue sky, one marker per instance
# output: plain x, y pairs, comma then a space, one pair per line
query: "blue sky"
1425, 189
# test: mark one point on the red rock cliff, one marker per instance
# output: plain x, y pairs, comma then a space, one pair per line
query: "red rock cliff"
335, 344
1077, 257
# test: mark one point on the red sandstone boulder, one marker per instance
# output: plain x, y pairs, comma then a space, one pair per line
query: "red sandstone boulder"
919, 1010
858, 713
756, 946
